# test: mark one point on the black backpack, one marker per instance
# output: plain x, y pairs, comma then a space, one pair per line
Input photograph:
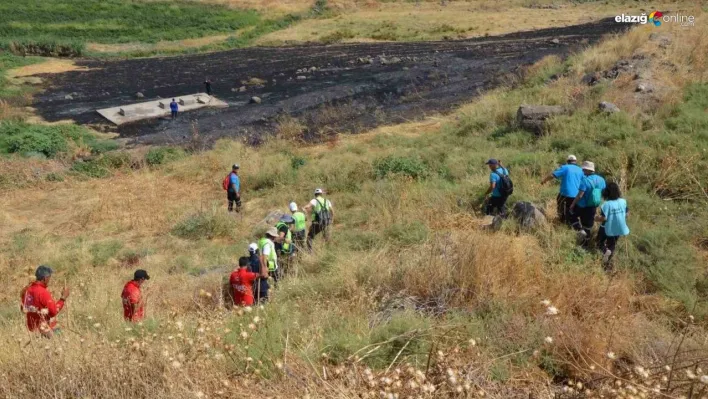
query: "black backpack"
323, 217
506, 186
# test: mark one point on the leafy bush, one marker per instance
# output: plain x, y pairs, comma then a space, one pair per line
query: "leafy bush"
410, 233
205, 224
337, 36
689, 117
413, 167
162, 155
24, 138
101, 252
46, 47
102, 165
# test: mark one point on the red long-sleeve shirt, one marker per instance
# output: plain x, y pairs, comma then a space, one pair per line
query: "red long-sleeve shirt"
38, 304
242, 285
131, 296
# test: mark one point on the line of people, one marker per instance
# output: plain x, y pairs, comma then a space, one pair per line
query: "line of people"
582, 192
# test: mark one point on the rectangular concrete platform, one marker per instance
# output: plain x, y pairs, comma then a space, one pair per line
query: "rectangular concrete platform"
158, 108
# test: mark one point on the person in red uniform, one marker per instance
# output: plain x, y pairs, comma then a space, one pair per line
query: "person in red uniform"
39, 306
242, 283
133, 301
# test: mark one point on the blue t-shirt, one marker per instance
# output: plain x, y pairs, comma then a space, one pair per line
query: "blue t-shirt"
173, 106
570, 176
616, 213
587, 185
495, 178
235, 185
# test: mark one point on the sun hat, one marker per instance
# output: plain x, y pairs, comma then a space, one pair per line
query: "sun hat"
273, 232
318, 191
572, 158
587, 165
287, 219
293, 207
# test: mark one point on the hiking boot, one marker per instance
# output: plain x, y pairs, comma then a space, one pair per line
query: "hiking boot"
606, 257
581, 237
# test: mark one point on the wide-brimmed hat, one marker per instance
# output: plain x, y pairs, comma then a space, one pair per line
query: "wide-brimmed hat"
587, 165
572, 158
273, 232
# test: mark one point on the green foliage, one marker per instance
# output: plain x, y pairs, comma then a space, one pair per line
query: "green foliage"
407, 166
409, 233
44, 46
689, 117
101, 252
206, 225
337, 36
115, 21
162, 155
24, 138
401, 334
102, 165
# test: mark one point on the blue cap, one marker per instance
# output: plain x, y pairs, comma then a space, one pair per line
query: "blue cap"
492, 161
287, 219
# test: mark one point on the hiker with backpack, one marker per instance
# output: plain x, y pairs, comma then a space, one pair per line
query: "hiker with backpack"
570, 176
613, 216
500, 188
322, 217
284, 241
232, 185
260, 288
585, 204
300, 226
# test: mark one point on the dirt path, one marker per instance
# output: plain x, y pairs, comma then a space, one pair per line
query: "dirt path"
344, 92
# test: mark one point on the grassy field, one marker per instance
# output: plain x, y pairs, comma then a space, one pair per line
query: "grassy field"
411, 298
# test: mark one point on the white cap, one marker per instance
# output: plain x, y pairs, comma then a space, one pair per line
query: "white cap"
252, 247
587, 165
318, 191
293, 207
572, 158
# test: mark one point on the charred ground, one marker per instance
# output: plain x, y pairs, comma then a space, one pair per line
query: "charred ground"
332, 88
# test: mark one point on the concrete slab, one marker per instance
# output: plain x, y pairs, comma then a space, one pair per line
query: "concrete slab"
158, 108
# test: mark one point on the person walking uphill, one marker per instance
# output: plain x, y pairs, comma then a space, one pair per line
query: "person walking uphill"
588, 199
132, 297
323, 217
39, 306
207, 86
300, 228
174, 107
232, 185
613, 216
242, 283
260, 288
500, 188
570, 176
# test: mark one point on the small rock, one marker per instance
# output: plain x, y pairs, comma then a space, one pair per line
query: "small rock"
68, 97
555, 41
139, 95
234, 90
405, 68
608, 107
242, 89
645, 88
255, 100
590, 79
223, 125
301, 77
528, 215
313, 69
274, 81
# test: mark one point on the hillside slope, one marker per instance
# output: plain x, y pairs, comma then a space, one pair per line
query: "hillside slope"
411, 298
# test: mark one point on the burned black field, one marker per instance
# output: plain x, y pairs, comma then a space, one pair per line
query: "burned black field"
333, 88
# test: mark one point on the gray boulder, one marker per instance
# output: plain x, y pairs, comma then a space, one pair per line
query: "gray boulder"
528, 215
608, 107
533, 117
139, 95
590, 79
301, 77
255, 100
644, 87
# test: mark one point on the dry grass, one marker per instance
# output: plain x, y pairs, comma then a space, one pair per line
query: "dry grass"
457, 283
428, 20
49, 65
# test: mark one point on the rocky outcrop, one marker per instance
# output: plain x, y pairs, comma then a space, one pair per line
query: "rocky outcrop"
533, 117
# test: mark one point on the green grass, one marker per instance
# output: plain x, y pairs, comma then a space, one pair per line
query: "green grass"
114, 21
7, 62
49, 141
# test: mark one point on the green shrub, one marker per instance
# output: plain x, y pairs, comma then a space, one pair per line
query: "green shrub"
206, 225
24, 138
101, 252
90, 169
337, 36
49, 143
45, 47
689, 117
162, 155
407, 166
409, 233
102, 146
